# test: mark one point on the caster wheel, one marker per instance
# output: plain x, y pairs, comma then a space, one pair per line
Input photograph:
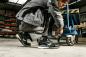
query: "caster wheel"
70, 41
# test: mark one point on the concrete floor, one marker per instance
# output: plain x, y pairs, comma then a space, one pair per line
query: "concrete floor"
13, 48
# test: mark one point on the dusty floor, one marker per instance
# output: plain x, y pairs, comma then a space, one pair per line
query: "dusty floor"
13, 48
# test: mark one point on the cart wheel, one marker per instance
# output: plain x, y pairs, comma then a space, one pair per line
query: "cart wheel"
70, 41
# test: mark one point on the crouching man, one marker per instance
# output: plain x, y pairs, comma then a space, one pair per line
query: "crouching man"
35, 8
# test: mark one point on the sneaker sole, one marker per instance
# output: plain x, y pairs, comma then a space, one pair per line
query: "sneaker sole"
25, 45
43, 47
48, 47
18, 37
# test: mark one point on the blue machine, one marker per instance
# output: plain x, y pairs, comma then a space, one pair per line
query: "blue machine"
69, 26
69, 30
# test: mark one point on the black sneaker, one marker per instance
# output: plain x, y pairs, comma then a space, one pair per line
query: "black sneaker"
46, 43
42, 40
48, 46
26, 44
22, 40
